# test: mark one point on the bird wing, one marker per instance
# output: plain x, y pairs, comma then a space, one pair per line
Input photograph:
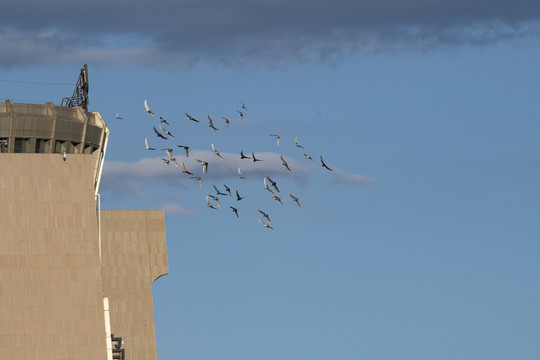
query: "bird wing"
158, 133
324, 165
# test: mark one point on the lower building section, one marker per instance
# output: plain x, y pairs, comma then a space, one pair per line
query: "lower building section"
51, 300
134, 254
60, 298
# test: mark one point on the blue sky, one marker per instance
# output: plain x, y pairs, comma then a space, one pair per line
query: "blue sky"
423, 241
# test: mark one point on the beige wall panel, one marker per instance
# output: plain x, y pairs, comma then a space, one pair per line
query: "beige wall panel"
50, 279
134, 254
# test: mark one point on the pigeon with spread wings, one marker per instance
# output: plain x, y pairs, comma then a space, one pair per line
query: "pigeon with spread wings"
166, 132
186, 148
184, 170
265, 225
147, 109
324, 165
159, 134
284, 163
204, 165
265, 215
217, 152
191, 118
146, 143
295, 199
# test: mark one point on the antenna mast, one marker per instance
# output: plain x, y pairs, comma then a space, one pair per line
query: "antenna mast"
80, 94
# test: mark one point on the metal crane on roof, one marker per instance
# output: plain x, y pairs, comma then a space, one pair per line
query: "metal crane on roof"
80, 94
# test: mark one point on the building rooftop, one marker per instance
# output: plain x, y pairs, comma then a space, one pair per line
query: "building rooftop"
47, 128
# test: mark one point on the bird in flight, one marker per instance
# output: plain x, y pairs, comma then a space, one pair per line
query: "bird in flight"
284, 163
308, 157
184, 170
147, 109
296, 143
265, 225
217, 152
244, 107
166, 132
163, 121
169, 152
277, 198
166, 161
324, 165
295, 199
255, 159
211, 123
227, 121
242, 156
235, 210
228, 189
191, 118
277, 137
118, 117
241, 114
215, 198
146, 143
204, 165
185, 148
240, 174
265, 215
159, 134
271, 182
208, 204
238, 197
217, 191
198, 178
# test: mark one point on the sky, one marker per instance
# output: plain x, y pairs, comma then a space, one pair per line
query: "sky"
422, 243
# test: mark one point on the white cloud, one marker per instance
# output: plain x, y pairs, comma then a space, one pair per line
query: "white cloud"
134, 177
173, 208
342, 179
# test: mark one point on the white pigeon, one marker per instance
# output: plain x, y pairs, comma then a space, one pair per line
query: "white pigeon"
217, 152
240, 174
147, 109
146, 143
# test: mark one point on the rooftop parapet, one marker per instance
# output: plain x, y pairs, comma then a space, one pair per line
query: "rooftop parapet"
46, 129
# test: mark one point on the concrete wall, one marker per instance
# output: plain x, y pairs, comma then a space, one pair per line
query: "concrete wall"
51, 300
134, 254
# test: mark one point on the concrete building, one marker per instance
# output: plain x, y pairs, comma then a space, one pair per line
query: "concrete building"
71, 275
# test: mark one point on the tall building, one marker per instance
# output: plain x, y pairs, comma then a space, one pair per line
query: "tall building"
75, 281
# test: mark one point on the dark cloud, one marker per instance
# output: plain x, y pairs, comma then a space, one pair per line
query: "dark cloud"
170, 32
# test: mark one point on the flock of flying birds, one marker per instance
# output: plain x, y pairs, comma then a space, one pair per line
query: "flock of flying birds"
213, 200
